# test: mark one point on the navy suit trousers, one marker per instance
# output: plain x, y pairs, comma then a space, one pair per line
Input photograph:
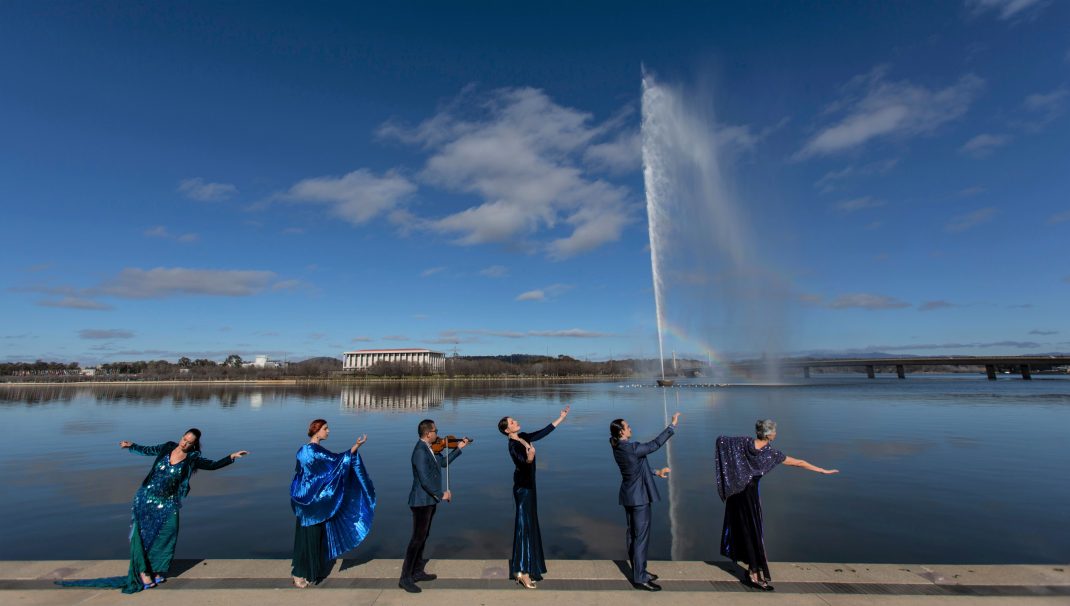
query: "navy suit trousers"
638, 540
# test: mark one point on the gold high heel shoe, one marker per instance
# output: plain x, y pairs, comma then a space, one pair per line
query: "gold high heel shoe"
526, 581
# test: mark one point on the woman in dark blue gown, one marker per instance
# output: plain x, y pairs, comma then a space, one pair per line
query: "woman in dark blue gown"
527, 563
741, 464
334, 501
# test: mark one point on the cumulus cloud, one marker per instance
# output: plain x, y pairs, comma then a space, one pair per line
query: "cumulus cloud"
524, 156
850, 206
531, 295
968, 221
105, 333
983, 144
873, 107
1006, 9
494, 271
621, 155
934, 305
356, 197
866, 301
197, 188
1044, 108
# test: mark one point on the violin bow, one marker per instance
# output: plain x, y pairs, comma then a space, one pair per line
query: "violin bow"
447, 463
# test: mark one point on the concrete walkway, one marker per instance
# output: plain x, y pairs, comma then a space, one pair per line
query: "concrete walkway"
572, 582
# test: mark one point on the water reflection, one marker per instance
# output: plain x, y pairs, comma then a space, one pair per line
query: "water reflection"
929, 467
420, 396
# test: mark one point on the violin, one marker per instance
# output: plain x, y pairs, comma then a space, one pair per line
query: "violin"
450, 441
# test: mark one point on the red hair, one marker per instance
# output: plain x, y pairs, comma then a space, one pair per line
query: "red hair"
315, 426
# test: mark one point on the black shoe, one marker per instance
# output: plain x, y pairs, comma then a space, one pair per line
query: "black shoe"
648, 586
424, 576
653, 577
409, 586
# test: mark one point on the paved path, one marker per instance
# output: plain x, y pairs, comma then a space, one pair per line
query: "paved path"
571, 582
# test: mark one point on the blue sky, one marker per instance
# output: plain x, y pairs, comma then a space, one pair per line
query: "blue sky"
202, 178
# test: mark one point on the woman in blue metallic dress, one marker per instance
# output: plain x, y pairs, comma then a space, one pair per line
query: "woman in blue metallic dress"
334, 501
527, 563
154, 518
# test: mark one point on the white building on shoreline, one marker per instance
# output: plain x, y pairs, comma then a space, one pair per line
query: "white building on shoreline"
362, 359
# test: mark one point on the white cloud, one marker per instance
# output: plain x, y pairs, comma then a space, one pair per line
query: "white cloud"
531, 295
161, 232
1045, 108
1059, 217
1006, 8
198, 189
105, 333
430, 271
866, 301
75, 303
522, 155
873, 108
361, 339
495, 271
967, 221
621, 155
1043, 333
162, 282
834, 180
934, 305
850, 206
571, 333
356, 197
983, 144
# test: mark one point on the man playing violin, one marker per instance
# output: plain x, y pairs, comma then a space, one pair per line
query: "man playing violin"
423, 499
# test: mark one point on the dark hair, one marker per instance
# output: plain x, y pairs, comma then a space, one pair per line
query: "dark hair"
503, 425
315, 426
196, 432
616, 428
424, 427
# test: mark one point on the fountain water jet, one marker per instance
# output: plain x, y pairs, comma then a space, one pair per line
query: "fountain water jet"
700, 248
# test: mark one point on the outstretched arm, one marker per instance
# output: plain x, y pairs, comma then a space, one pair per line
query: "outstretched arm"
801, 463
149, 451
209, 465
643, 450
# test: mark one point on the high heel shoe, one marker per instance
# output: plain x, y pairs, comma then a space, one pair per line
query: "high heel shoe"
525, 581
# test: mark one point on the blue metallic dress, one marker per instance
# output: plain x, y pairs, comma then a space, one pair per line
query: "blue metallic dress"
333, 496
154, 516
527, 540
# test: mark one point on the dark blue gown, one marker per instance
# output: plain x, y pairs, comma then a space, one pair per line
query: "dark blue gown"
527, 541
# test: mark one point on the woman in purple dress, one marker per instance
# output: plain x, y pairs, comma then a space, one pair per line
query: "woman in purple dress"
741, 463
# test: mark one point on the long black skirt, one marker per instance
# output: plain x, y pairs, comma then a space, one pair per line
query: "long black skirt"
310, 553
742, 539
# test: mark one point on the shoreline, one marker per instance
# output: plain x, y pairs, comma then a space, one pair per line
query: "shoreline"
318, 381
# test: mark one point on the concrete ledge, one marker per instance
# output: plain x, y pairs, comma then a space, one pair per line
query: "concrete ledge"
234, 582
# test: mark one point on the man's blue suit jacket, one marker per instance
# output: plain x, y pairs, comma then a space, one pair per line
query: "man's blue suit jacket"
427, 474
637, 480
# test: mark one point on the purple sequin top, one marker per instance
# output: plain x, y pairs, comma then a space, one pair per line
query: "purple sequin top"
738, 462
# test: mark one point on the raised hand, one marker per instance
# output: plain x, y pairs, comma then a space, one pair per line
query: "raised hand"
675, 418
238, 455
361, 440
564, 413
125, 444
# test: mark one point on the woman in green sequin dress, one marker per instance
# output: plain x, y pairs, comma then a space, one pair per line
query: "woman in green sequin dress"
154, 519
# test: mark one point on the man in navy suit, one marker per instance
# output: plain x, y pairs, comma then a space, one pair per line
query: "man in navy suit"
423, 499
637, 492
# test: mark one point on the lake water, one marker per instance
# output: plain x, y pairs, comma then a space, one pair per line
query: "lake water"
934, 469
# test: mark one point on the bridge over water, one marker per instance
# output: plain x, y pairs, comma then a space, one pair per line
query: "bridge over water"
1023, 365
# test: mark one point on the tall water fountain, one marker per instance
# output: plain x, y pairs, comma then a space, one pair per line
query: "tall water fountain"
710, 289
